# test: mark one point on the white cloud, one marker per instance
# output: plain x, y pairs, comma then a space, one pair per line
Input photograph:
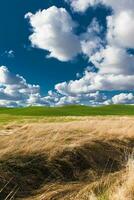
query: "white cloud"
15, 91
121, 29
8, 103
120, 24
94, 98
90, 41
115, 64
81, 5
117, 5
68, 100
122, 98
94, 81
113, 60
8, 78
53, 30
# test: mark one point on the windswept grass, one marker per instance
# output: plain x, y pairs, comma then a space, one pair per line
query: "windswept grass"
69, 160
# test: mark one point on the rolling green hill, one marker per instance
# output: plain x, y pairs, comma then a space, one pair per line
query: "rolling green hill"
73, 110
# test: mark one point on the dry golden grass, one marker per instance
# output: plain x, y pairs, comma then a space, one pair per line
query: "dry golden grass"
79, 158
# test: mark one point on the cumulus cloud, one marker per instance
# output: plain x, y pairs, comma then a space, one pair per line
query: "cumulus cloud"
8, 103
81, 5
92, 81
121, 29
113, 60
90, 40
122, 98
68, 100
120, 23
15, 91
93, 98
115, 65
53, 30
118, 5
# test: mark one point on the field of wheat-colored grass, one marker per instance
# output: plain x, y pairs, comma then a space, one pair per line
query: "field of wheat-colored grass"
67, 158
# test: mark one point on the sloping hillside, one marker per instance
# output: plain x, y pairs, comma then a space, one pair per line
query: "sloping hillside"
74, 110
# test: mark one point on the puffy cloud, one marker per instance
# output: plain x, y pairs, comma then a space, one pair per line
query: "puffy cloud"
120, 24
82, 5
115, 65
119, 5
122, 98
113, 57
68, 100
121, 29
90, 41
94, 98
113, 60
95, 81
15, 91
7, 103
53, 30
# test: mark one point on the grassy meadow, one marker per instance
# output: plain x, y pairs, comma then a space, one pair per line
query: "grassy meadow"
67, 153
51, 113
73, 110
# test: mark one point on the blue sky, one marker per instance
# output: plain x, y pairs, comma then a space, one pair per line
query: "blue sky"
31, 62
90, 55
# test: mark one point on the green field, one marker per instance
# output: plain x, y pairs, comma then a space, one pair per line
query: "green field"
70, 111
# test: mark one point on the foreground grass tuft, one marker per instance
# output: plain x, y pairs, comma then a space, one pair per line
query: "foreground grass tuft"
70, 160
